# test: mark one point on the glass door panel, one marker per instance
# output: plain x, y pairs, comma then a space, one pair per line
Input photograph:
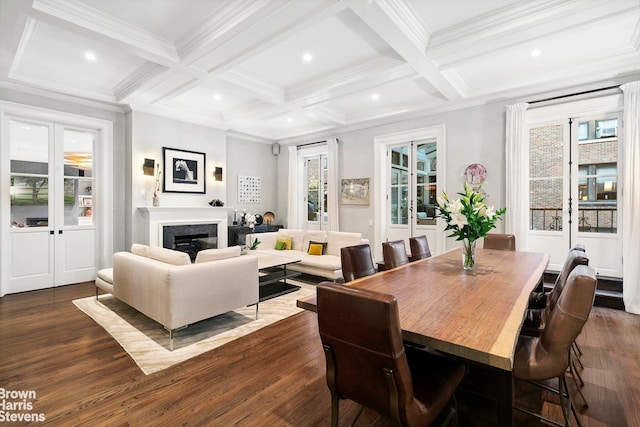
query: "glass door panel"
79, 178
598, 177
313, 186
426, 183
399, 178
546, 178
29, 183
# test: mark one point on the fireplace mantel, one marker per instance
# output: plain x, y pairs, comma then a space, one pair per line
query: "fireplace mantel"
154, 218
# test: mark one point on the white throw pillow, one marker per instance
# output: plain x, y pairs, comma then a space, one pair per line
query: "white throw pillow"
216, 254
168, 255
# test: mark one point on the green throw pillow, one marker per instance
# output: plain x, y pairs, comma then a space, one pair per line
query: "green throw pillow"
280, 245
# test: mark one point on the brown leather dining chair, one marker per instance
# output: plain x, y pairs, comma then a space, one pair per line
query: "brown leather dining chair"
394, 254
356, 262
548, 356
367, 362
419, 246
504, 242
538, 299
535, 317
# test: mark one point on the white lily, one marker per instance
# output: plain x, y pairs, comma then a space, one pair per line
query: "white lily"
455, 207
458, 219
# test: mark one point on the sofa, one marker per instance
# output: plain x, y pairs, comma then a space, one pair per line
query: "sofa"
327, 264
165, 286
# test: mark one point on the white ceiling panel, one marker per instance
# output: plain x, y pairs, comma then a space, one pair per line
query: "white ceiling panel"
171, 57
66, 64
331, 44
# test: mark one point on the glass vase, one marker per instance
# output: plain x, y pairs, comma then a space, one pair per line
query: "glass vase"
468, 254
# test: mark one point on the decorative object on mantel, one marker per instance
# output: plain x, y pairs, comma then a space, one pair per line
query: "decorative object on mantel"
184, 171
269, 217
156, 192
216, 202
469, 218
250, 219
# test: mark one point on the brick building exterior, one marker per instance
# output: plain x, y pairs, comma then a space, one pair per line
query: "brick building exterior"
597, 183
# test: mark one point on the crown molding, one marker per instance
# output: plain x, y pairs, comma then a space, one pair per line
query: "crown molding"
408, 21
235, 17
79, 14
28, 34
63, 97
510, 18
141, 77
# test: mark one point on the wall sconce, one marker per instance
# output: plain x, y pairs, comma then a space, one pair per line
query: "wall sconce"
148, 167
218, 173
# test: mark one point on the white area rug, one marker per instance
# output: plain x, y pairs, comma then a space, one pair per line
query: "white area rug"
147, 342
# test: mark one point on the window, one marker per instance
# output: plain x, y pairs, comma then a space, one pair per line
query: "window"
597, 129
597, 183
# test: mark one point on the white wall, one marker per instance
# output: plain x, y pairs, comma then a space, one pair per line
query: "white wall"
149, 134
473, 135
252, 159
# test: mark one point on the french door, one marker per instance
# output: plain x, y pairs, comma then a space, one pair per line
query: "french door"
52, 183
316, 174
412, 188
574, 189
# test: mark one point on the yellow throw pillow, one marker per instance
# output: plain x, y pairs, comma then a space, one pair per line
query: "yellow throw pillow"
288, 242
317, 248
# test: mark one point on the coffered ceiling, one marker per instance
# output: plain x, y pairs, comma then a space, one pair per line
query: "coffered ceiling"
278, 69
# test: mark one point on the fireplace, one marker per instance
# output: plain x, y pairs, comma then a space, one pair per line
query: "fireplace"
190, 238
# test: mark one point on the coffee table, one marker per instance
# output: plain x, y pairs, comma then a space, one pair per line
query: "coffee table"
274, 274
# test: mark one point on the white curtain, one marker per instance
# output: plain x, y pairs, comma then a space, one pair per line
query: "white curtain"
631, 198
293, 206
333, 187
516, 220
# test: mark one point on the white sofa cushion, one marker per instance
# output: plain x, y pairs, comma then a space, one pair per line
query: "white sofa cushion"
325, 262
216, 254
168, 255
341, 239
138, 249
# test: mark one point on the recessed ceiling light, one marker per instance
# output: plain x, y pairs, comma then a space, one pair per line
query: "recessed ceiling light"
90, 56
375, 96
217, 96
307, 57
536, 52
289, 119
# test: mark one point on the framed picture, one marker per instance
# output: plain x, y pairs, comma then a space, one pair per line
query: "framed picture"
184, 171
85, 201
355, 191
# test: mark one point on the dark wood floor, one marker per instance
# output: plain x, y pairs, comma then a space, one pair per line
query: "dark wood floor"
274, 377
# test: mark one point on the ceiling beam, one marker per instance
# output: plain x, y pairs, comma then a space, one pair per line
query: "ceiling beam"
381, 16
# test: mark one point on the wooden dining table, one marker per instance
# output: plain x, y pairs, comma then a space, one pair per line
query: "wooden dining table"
473, 315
